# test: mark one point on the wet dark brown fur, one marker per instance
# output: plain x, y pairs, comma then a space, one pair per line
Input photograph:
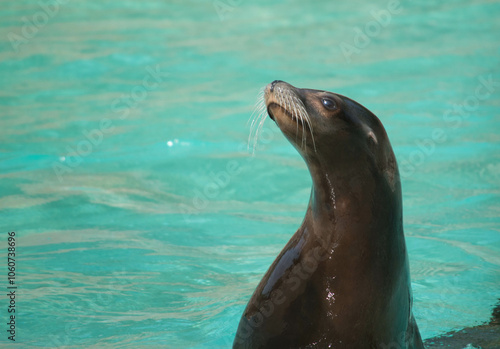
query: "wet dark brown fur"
342, 281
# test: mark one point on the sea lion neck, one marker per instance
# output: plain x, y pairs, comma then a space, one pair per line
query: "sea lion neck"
340, 192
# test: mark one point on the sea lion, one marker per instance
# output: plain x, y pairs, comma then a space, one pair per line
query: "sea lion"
342, 281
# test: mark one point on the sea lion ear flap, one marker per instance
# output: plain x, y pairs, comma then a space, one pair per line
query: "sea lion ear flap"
387, 164
371, 139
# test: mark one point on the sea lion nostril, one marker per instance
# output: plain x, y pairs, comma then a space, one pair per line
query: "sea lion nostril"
273, 84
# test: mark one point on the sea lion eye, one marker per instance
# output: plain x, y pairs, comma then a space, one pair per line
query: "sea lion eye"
329, 104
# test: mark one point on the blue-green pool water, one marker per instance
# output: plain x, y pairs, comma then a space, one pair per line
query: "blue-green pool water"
141, 219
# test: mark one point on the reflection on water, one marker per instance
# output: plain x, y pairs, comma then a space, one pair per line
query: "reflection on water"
132, 233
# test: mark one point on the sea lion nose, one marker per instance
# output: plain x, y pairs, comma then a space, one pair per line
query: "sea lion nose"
273, 84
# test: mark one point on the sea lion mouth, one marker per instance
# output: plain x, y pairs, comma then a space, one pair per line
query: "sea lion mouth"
269, 112
283, 109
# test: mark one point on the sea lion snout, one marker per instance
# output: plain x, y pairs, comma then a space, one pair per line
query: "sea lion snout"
271, 86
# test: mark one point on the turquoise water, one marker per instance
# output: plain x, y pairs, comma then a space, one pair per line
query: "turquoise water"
155, 232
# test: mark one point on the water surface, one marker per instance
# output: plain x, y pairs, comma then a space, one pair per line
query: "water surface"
122, 120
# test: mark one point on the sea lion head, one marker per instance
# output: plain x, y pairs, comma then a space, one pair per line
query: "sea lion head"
329, 129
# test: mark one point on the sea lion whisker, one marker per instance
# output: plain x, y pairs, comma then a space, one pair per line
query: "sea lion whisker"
259, 112
259, 104
255, 116
293, 111
308, 120
289, 104
304, 136
281, 99
303, 116
259, 122
311, 129
259, 129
